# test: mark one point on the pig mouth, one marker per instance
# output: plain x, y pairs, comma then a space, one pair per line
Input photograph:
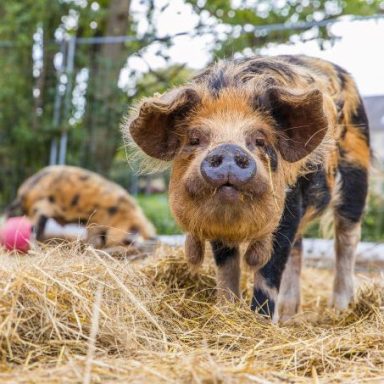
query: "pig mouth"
228, 192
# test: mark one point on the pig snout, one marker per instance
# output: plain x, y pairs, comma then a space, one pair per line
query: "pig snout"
228, 165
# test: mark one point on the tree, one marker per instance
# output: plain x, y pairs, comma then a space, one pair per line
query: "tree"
103, 110
241, 24
25, 88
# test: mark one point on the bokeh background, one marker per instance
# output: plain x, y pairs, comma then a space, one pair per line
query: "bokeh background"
71, 69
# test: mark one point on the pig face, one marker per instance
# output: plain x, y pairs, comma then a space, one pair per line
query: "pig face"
231, 153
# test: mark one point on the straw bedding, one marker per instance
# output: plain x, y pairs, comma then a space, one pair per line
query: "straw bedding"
69, 314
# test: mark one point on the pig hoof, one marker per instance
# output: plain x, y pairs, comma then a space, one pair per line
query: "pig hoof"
288, 309
194, 251
226, 296
343, 293
341, 300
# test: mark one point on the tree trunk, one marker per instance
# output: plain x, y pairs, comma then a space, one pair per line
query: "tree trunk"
103, 112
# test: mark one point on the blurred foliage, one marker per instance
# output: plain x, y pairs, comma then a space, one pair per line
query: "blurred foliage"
373, 223
239, 32
29, 81
373, 227
161, 80
156, 208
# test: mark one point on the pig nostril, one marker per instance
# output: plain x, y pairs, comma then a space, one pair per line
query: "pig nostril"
242, 161
215, 161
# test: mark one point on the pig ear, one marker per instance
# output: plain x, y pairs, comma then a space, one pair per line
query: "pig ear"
153, 129
300, 119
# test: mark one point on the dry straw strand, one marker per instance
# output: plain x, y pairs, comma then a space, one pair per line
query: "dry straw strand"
93, 334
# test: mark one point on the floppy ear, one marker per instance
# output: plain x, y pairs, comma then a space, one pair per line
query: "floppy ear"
300, 118
153, 129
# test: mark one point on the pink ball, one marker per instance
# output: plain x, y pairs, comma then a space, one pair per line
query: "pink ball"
16, 233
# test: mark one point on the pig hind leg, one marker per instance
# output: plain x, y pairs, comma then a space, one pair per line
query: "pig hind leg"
348, 211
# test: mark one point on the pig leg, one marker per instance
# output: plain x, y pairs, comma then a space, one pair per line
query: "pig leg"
227, 260
40, 212
194, 251
267, 279
289, 293
39, 227
96, 236
352, 193
346, 240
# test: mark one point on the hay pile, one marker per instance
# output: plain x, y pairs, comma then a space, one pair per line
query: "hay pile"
155, 322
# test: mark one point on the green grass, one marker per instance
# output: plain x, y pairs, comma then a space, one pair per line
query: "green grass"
156, 208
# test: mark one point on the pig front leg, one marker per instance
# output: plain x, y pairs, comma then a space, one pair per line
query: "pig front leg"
227, 259
268, 278
194, 251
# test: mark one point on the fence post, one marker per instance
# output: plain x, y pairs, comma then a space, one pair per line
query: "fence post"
70, 59
58, 104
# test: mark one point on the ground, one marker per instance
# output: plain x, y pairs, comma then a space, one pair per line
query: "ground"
70, 314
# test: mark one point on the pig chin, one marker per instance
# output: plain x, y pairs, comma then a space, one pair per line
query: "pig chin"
230, 222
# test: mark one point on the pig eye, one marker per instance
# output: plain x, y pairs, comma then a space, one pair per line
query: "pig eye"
260, 142
194, 141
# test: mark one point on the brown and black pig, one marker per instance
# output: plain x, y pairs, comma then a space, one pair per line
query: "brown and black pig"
259, 147
74, 195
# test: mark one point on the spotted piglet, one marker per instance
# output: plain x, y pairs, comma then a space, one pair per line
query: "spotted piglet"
258, 148
74, 195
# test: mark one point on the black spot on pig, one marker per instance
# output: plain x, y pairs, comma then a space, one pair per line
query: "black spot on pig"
75, 200
113, 210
